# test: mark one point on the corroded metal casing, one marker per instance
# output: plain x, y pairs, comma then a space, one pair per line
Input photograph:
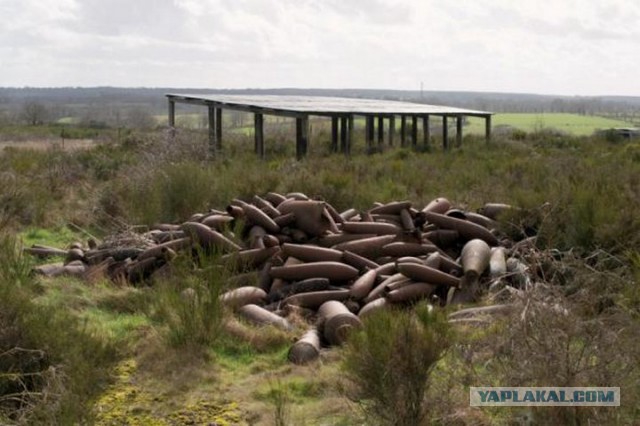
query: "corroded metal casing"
475, 257
261, 316
337, 321
439, 205
243, 296
306, 349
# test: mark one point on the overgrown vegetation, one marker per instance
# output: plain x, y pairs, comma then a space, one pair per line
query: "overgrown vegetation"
582, 196
388, 363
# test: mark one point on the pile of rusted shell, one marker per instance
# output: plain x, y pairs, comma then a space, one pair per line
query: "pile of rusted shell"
296, 255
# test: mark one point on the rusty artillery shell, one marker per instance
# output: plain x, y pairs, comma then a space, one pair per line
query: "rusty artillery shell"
413, 259
466, 229
443, 238
252, 257
298, 196
379, 290
44, 252
407, 220
274, 198
386, 269
410, 293
235, 211
393, 207
256, 235
337, 321
314, 299
167, 227
243, 296
217, 221
285, 219
494, 210
348, 214
334, 213
260, 218
335, 271
439, 205
74, 254
261, 316
363, 285
270, 241
423, 273
155, 251
475, 257
208, 238
331, 240
377, 228
357, 261
140, 269
497, 262
309, 253
481, 220
305, 286
400, 249
372, 306
265, 206
305, 349
309, 215
367, 247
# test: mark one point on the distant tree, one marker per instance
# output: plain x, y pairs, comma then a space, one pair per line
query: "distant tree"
34, 113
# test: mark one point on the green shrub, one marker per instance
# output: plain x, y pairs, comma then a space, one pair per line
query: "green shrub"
389, 361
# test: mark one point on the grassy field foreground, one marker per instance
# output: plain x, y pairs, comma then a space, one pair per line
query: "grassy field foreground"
106, 353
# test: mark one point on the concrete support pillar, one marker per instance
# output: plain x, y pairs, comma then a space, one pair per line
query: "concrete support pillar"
414, 131
459, 131
258, 121
487, 128
403, 131
369, 132
212, 130
219, 129
392, 129
426, 133
445, 133
334, 133
302, 136
380, 133
343, 134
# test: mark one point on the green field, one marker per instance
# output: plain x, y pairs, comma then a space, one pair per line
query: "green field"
574, 124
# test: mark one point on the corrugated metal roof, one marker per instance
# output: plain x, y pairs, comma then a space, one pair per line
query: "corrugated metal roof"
323, 105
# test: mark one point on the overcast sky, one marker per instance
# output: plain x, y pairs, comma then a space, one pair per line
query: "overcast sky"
570, 47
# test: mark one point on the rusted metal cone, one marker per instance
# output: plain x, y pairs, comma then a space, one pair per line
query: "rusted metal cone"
348, 214
434, 260
334, 213
475, 257
157, 251
376, 228
410, 292
243, 296
285, 219
370, 248
306, 349
304, 286
363, 285
423, 273
379, 290
335, 271
261, 316
235, 211
443, 238
481, 220
274, 198
439, 205
494, 210
44, 252
394, 207
402, 282
386, 269
337, 321
217, 221
372, 306
74, 254
257, 217
252, 257
309, 253
314, 299
208, 238
266, 206
467, 230
497, 262
407, 220
331, 240
309, 216
357, 261
50, 269
400, 249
